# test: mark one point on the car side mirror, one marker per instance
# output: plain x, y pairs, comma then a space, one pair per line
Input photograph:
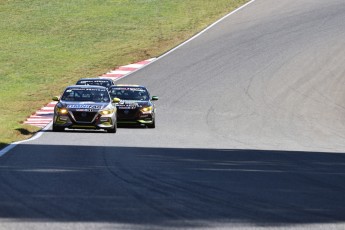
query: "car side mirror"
116, 100
56, 98
154, 98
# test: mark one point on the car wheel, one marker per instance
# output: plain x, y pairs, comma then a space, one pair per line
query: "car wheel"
58, 128
152, 125
112, 130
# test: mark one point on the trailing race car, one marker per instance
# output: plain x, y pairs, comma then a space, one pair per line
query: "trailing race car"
96, 81
135, 106
85, 107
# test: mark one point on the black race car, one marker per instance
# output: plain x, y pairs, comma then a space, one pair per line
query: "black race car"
135, 106
85, 107
96, 81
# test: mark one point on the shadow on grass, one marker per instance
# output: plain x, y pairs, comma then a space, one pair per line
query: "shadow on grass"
26, 132
3, 145
171, 187
22, 131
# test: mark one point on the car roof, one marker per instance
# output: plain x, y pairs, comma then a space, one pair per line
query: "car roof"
86, 86
128, 85
94, 79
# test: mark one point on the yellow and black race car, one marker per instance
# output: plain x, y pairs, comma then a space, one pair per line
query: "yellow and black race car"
85, 107
135, 106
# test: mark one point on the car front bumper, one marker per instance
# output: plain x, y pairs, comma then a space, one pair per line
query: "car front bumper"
99, 122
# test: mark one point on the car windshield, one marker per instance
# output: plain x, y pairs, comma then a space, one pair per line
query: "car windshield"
129, 93
100, 82
86, 94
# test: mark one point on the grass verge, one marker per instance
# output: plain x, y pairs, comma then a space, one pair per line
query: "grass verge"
47, 45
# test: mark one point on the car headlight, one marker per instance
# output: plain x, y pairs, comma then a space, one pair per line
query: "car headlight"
147, 109
62, 110
107, 111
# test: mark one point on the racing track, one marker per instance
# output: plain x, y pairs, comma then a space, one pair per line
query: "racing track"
250, 134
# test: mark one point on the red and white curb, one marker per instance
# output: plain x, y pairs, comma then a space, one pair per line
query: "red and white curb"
127, 69
42, 117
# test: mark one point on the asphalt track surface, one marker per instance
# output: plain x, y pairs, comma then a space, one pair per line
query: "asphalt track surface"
250, 135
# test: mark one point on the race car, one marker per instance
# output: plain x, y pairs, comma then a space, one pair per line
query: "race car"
96, 81
135, 106
85, 107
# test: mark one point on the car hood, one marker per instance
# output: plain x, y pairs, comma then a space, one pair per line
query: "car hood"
133, 104
84, 106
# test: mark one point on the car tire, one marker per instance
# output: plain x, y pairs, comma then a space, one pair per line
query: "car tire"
152, 125
58, 128
113, 129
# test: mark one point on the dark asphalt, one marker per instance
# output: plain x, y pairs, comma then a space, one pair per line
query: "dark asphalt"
249, 135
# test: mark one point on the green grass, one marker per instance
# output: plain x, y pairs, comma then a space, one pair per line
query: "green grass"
47, 45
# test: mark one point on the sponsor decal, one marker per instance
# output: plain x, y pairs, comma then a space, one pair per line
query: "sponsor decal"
85, 89
126, 103
86, 107
96, 81
126, 107
84, 110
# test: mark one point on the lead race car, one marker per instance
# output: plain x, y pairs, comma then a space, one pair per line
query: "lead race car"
85, 107
135, 106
